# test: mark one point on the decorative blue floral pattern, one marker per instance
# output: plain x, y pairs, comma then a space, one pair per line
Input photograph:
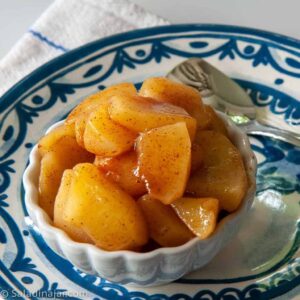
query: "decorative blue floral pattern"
275, 171
278, 102
45, 89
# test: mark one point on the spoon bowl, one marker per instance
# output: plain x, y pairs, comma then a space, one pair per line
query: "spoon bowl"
225, 95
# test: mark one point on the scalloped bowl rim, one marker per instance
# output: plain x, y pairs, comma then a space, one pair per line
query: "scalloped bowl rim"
44, 223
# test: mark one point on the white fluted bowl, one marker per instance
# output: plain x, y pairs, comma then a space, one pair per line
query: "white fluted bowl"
156, 267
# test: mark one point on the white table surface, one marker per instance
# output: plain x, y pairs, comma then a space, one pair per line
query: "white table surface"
16, 16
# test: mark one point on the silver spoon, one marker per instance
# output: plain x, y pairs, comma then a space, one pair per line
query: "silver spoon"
221, 92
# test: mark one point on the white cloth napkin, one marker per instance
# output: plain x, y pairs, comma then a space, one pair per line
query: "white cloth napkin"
67, 24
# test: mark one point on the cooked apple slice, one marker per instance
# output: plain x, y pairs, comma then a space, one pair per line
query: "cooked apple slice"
197, 157
215, 123
49, 180
91, 103
166, 90
222, 174
64, 154
164, 225
164, 161
199, 214
110, 217
79, 128
140, 114
81, 113
76, 233
77, 119
122, 170
104, 137
48, 141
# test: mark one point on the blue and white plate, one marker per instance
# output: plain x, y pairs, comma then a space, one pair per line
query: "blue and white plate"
262, 262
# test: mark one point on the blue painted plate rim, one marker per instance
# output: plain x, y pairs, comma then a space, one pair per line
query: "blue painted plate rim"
65, 59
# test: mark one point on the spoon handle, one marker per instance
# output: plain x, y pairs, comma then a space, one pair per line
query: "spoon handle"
256, 128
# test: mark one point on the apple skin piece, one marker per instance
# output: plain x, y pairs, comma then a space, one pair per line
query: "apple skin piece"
110, 216
166, 90
165, 226
222, 174
53, 164
76, 233
164, 161
141, 114
200, 215
122, 170
104, 137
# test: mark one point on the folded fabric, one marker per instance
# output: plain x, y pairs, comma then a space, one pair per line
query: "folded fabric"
67, 24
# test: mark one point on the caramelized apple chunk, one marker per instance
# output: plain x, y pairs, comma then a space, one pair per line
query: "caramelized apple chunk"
164, 225
49, 141
215, 123
77, 119
104, 137
164, 161
54, 163
222, 174
110, 217
199, 214
122, 170
166, 90
79, 128
197, 157
87, 106
62, 197
140, 114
